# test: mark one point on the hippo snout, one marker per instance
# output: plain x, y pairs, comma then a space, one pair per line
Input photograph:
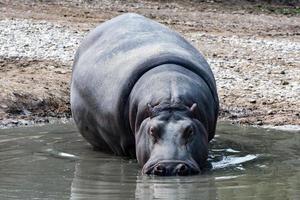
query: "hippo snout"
165, 169
172, 168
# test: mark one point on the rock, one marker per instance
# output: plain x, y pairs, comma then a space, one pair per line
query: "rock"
3, 106
60, 71
270, 112
26, 112
253, 101
259, 123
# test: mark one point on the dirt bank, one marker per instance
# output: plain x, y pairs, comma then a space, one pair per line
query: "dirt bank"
254, 54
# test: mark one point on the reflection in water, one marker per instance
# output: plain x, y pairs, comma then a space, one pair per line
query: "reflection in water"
54, 162
118, 180
192, 187
112, 178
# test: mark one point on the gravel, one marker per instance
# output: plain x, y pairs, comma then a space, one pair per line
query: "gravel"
39, 40
254, 68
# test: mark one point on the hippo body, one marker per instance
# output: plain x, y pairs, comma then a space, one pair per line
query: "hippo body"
130, 71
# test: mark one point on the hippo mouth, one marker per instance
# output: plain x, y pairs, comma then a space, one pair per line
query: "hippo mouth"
171, 168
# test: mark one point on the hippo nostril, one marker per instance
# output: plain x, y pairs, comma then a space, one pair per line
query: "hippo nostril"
159, 170
182, 169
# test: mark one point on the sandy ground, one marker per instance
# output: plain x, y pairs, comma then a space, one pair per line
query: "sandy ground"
254, 55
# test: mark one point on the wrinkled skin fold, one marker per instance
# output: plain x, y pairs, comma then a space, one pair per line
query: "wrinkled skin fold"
141, 90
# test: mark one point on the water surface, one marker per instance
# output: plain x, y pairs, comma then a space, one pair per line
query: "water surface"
54, 162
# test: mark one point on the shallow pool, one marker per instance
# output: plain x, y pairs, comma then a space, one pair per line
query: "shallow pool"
54, 162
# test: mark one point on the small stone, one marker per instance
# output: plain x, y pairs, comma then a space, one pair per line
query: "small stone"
13, 121
282, 72
252, 101
284, 82
259, 123
233, 116
26, 112
60, 71
3, 106
271, 112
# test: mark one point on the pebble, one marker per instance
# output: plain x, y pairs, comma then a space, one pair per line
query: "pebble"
253, 101
271, 112
282, 72
259, 123
3, 106
60, 71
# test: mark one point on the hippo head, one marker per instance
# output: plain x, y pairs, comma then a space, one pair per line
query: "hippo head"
172, 141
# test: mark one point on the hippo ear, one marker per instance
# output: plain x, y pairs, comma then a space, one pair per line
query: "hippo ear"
195, 111
149, 110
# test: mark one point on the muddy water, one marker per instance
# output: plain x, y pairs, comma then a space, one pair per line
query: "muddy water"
54, 162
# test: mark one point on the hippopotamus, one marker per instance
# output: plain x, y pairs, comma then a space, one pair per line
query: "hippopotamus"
141, 90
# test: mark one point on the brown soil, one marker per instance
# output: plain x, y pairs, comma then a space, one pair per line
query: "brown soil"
40, 88
34, 88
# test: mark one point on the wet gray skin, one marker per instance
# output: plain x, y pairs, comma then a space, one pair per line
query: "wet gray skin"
55, 162
173, 128
172, 143
140, 90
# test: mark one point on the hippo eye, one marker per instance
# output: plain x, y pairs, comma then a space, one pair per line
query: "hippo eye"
153, 132
188, 132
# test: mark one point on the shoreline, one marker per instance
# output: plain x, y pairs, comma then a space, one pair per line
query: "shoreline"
14, 123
